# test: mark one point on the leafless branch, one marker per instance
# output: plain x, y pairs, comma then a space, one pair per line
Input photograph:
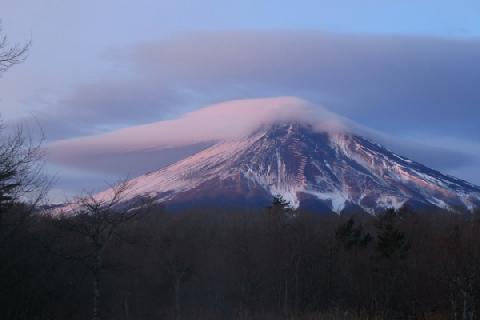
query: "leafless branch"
21, 167
11, 55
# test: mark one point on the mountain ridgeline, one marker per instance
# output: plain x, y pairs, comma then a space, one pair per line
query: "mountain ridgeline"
328, 171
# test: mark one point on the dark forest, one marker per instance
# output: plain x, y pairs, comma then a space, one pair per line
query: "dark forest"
216, 264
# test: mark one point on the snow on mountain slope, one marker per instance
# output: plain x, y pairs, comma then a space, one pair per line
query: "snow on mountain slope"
334, 170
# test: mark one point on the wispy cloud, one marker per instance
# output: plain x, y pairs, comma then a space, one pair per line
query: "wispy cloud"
398, 85
392, 83
223, 121
138, 149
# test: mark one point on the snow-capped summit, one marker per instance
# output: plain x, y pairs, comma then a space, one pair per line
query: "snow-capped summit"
332, 170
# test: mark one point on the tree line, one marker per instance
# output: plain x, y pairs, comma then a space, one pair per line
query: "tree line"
236, 264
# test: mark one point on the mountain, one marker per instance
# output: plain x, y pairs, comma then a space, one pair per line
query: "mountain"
323, 170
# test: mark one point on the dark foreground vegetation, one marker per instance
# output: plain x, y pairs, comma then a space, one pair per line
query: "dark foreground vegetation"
208, 264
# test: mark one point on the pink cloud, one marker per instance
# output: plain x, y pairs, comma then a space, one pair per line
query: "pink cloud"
142, 148
222, 121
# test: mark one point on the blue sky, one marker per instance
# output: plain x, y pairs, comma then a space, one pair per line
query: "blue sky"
406, 68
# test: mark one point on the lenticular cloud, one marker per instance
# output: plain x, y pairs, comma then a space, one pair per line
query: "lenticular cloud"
223, 121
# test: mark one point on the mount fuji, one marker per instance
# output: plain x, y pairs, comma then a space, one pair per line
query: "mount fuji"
329, 170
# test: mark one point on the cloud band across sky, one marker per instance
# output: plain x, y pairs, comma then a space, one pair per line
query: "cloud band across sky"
394, 83
139, 149
411, 87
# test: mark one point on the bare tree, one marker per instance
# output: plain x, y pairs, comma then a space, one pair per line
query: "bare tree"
98, 219
11, 55
21, 164
20, 155
177, 258
22, 182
